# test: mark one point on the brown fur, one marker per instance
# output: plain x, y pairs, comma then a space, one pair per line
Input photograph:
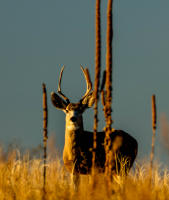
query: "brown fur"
80, 146
77, 154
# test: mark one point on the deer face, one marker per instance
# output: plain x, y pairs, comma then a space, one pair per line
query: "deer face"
74, 111
73, 116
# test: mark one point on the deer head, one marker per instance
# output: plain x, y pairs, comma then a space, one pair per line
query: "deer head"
74, 111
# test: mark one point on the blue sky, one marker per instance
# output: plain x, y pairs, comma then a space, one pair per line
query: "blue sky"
38, 36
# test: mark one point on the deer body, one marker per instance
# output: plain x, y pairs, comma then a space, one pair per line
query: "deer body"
77, 153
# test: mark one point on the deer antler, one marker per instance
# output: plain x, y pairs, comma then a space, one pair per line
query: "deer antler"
88, 82
59, 87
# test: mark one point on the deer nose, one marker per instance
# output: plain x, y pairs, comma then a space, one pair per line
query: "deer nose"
73, 119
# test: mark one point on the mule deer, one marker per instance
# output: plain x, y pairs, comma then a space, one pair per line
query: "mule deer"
77, 154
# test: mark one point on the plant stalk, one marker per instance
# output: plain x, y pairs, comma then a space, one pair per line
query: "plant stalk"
45, 135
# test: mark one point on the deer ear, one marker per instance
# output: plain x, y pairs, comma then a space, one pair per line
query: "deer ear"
89, 100
58, 102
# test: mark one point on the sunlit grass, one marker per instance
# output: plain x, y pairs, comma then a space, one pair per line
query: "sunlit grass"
21, 178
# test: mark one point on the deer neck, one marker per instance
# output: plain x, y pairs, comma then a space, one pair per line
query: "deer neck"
72, 139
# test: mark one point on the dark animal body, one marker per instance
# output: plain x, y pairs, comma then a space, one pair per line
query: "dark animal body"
77, 153
123, 145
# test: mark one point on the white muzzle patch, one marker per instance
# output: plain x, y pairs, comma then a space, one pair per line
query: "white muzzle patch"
69, 124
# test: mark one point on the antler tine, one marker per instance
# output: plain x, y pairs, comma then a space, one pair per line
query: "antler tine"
88, 82
59, 86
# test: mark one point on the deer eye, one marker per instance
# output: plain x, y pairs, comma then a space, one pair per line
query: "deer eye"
66, 111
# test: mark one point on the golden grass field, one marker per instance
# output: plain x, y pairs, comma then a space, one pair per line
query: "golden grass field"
21, 178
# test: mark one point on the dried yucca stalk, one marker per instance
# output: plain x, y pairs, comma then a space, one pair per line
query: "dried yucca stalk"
45, 135
103, 93
97, 81
108, 101
154, 125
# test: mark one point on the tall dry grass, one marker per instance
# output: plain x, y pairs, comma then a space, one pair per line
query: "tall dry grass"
45, 135
21, 178
108, 102
154, 125
97, 81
